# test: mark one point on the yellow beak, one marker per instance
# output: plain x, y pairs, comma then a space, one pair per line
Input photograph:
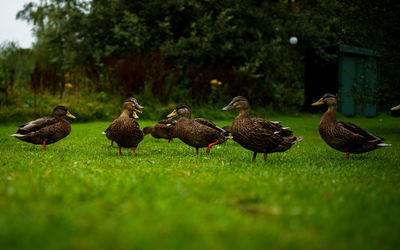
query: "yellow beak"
70, 115
396, 108
173, 114
319, 102
134, 115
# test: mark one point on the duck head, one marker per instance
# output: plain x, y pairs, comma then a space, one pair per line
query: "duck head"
132, 106
238, 102
328, 99
180, 110
136, 106
61, 111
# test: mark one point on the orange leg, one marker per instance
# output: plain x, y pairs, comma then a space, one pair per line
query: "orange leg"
112, 143
119, 150
209, 146
44, 145
197, 151
347, 155
265, 156
254, 156
134, 150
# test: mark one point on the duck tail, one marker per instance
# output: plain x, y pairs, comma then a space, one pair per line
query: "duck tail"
18, 135
297, 139
276, 122
384, 145
227, 128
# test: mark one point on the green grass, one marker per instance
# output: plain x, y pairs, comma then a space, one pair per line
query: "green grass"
80, 195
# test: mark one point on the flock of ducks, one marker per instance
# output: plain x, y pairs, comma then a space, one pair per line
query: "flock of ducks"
255, 134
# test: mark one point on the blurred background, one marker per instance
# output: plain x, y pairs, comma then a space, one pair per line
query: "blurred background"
281, 55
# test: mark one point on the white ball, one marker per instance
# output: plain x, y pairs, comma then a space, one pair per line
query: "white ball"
293, 40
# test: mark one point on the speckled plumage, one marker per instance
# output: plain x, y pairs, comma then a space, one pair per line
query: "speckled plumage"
344, 136
46, 130
256, 134
125, 130
163, 129
199, 132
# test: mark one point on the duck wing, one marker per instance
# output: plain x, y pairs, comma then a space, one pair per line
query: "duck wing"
268, 127
209, 124
357, 131
167, 122
36, 125
106, 132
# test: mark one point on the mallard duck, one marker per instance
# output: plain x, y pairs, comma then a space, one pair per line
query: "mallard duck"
109, 136
198, 133
46, 130
163, 129
256, 134
132, 114
124, 130
396, 108
344, 136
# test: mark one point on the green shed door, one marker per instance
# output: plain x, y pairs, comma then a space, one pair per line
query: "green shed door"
371, 77
348, 72
358, 76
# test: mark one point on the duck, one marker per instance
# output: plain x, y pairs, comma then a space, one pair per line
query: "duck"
125, 130
46, 130
256, 134
344, 136
109, 136
197, 133
163, 129
132, 114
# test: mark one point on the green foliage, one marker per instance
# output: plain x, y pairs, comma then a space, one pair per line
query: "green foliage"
117, 45
80, 195
362, 28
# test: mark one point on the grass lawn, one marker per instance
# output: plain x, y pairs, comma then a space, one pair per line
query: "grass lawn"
80, 195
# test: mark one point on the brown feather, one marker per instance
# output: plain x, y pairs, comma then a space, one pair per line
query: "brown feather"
48, 129
163, 129
345, 136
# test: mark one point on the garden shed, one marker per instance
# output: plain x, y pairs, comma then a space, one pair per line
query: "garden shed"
351, 72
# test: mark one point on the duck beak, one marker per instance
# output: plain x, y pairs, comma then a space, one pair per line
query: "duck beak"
319, 102
396, 108
173, 114
228, 107
134, 115
138, 108
70, 115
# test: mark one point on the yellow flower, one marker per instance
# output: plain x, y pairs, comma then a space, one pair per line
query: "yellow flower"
214, 81
68, 85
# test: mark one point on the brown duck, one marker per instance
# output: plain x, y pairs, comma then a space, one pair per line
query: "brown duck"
46, 130
198, 133
163, 129
132, 114
344, 136
256, 134
124, 130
